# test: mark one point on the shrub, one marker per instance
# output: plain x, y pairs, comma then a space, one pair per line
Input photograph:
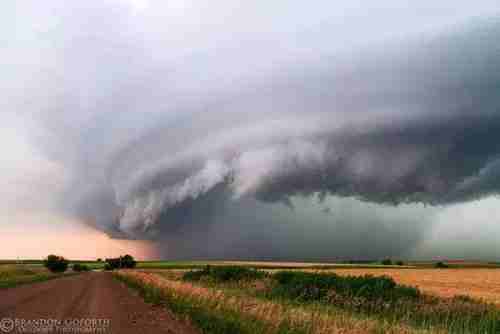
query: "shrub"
317, 286
441, 265
126, 261
387, 262
56, 264
400, 263
80, 267
224, 274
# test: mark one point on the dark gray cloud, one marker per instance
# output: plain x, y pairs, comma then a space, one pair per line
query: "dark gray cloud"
420, 130
209, 131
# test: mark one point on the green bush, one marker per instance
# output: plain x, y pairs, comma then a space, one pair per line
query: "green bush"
80, 267
224, 274
400, 263
386, 262
441, 265
56, 264
126, 261
316, 286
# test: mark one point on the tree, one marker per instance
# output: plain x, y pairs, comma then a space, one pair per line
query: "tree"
126, 261
387, 262
441, 264
56, 264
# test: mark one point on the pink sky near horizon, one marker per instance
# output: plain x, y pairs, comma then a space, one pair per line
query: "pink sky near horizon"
72, 240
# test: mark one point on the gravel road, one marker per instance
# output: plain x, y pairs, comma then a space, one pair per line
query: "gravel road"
86, 303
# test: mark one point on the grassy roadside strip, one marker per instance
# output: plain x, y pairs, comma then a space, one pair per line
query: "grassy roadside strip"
29, 279
247, 314
209, 316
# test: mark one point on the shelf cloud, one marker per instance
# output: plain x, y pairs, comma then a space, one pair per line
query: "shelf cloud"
219, 131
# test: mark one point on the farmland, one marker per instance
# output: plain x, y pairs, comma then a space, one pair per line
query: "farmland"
13, 275
481, 283
299, 297
456, 300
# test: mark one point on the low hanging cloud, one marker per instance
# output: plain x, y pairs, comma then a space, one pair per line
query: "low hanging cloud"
169, 137
416, 126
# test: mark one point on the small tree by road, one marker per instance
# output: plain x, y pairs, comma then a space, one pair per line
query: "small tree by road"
126, 261
55, 263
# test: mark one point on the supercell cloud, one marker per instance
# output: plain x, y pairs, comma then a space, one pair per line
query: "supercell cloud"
261, 130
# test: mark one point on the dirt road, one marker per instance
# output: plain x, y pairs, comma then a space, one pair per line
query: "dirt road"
93, 301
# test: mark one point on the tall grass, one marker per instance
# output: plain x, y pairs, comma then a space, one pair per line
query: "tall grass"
14, 275
381, 297
275, 316
315, 286
205, 314
376, 297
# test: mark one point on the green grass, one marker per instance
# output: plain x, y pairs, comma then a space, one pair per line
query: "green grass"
381, 297
204, 315
306, 286
224, 274
171, 264
268, 265
91, 264
164, 264
367, 296
15, 275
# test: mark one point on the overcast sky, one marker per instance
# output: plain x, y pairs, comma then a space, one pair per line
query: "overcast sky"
269, 130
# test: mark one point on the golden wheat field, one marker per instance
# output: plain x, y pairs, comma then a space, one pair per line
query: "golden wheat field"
477, 283
273, 301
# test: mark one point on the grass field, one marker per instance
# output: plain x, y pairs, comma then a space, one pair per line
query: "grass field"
446, 301
12, 275
174, 264
480, 283
250, 297
228, 311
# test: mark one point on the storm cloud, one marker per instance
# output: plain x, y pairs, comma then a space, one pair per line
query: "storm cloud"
226, 131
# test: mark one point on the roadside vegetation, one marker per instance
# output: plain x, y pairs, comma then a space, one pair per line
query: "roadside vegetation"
215, 310
78, 267
14, 275
381, 297
309, 302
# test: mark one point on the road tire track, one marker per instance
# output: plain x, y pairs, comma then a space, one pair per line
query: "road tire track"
93, 295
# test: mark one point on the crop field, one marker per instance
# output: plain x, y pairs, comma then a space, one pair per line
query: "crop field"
481, 283
241, 299
12, 275
226, 297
